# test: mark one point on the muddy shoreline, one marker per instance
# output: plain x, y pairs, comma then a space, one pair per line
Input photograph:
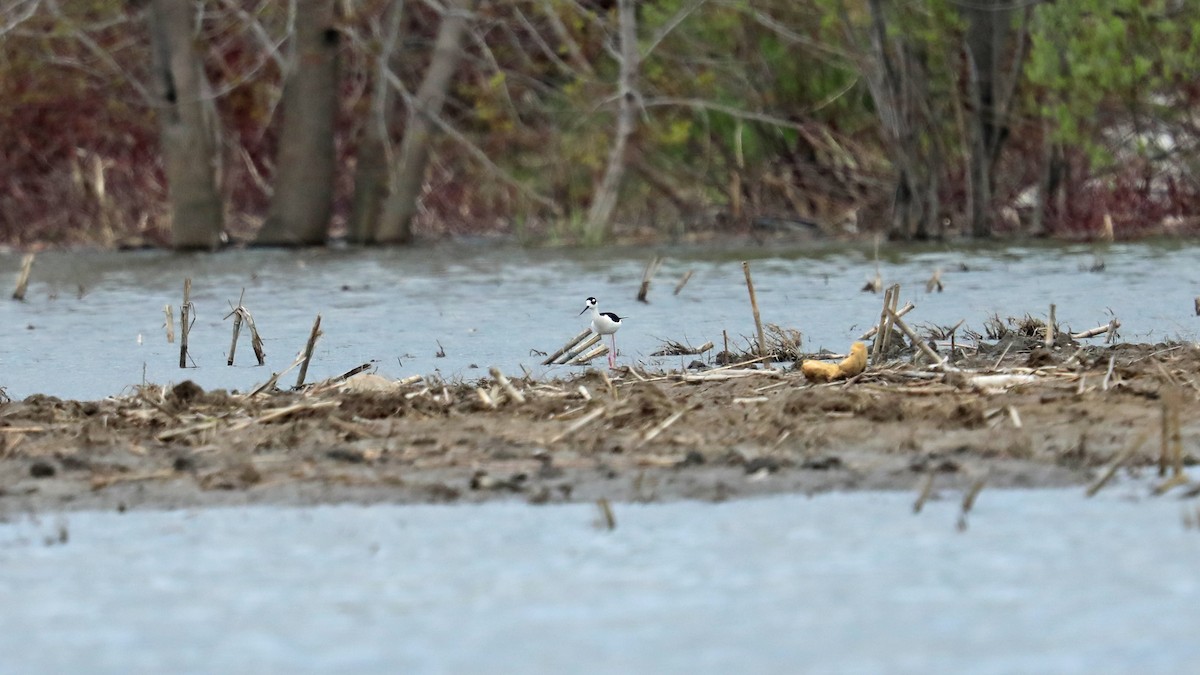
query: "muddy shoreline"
1054, 418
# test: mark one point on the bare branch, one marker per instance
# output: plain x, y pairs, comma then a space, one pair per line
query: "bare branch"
670, 25
546, 49
727, 109
272, 46
16, 14
604, 199
600, 25
495, 67
564, 36
272, 53
472, 149
767, 21
103, 55
589, 15
381, 102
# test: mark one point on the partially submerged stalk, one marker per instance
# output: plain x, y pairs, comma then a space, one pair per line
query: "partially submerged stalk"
240, 314
553, 358
308, 351
688, 275
883, 331
23, 277
647, 275
586, 357
762, 341
185, 321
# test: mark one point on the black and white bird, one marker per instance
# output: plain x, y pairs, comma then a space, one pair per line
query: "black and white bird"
604, 323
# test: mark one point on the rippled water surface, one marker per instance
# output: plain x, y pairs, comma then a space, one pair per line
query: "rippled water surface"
1039, 582
93, 322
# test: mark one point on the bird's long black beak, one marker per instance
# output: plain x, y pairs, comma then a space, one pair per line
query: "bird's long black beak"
584, 310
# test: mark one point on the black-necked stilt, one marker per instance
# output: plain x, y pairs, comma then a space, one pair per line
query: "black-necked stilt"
604, 323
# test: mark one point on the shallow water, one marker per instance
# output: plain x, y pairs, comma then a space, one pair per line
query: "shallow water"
93, 322
1040, 581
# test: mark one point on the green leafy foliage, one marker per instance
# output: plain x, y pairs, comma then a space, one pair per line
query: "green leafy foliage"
1116, 81
1095, 56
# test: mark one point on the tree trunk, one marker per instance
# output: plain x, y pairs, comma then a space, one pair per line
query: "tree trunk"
604, 202
408, 172
987, 28
187, 127
892, 77
994, 60
303, 197
371, 166
1049, 207
915, 195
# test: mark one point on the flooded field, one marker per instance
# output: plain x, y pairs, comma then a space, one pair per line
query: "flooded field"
1038, 581
93, 323
760, 522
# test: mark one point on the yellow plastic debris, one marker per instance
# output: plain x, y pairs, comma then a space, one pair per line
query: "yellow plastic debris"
819, 371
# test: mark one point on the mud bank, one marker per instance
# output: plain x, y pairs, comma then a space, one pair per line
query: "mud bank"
1041, 418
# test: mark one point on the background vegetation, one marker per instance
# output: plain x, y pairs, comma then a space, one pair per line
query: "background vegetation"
584, 120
